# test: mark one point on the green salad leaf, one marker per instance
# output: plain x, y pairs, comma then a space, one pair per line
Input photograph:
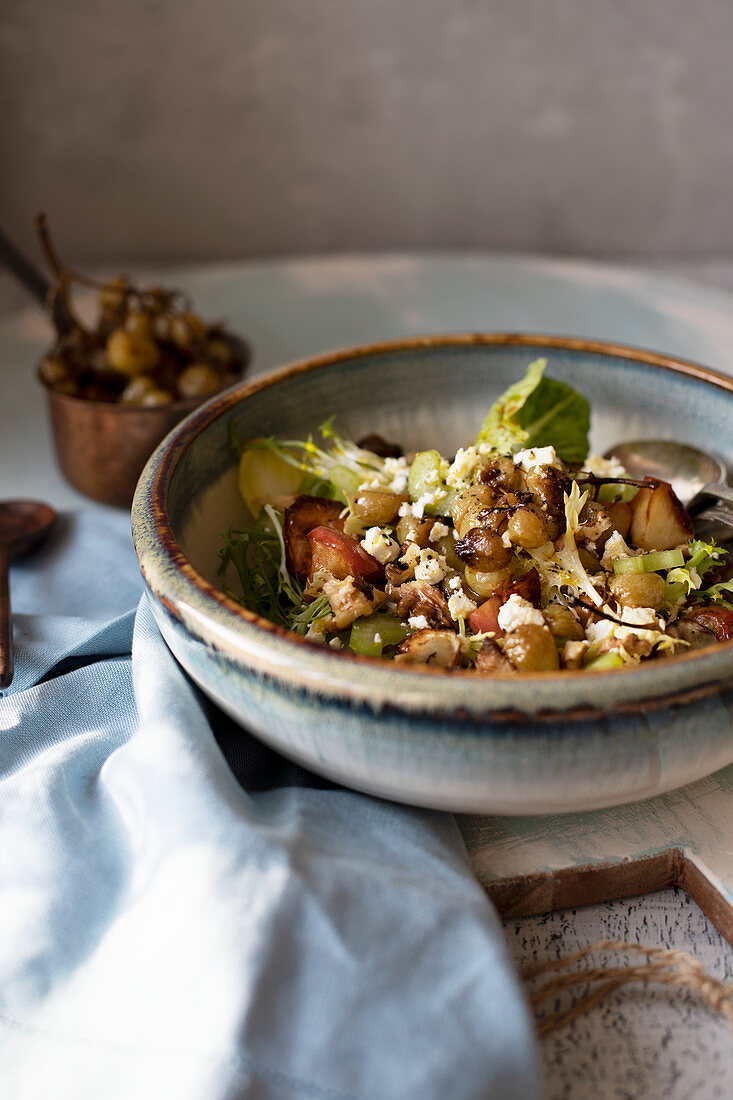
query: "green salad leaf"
717, 594
538, 412
704, 556
267, 586
300, 620
255, 554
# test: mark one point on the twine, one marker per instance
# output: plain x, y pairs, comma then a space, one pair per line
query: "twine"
671, 968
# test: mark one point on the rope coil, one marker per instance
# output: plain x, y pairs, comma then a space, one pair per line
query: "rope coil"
666, 967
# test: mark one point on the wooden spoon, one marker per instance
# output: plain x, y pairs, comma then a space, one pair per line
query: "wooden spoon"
52, 299
24, 524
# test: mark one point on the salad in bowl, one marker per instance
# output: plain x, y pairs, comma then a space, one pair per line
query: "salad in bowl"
362, 643
519, 553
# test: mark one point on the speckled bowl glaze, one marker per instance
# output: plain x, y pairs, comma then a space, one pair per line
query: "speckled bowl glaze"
544, 743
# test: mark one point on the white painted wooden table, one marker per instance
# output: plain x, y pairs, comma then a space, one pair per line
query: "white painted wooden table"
532, 864
638, 1044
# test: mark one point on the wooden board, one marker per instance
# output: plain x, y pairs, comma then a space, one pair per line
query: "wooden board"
533, 865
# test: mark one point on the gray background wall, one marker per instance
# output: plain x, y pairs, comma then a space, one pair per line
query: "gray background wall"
175, 129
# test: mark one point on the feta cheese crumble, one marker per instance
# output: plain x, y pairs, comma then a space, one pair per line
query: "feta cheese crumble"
418, 622
438, 531
460, 605
432, 567
616, 547
641, 616
377, 543
516, 612
603, 467
396, 470
536, 456
392, 476
463, 467
419, 506
597, 631
640, 622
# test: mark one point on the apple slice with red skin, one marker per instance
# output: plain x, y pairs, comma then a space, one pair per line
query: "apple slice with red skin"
485, 617
527, 586
302, 516
342, 556
659, 520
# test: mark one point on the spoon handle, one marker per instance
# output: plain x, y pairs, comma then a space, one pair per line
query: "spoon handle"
714, 491
36, 284
24, 270
6, 626
721, 491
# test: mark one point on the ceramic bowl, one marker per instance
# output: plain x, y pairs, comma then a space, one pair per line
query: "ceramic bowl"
542, 743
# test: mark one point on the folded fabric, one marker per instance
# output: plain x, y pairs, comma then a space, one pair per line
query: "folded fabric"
171, 930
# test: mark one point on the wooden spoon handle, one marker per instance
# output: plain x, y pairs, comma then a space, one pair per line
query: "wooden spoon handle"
53, 301
6, 625
24, 271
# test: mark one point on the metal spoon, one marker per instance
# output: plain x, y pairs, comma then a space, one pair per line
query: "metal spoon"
696, 476
24, 524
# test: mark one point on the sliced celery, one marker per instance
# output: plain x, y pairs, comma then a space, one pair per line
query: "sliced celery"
444, 505
346, 480
315, 486
606, 660
370, 635
610, 493
425, 477
649, 563
425, 474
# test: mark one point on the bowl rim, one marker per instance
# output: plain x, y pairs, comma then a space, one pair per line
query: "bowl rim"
210, 613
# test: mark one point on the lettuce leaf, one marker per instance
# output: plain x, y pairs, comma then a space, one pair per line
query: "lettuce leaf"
538, 412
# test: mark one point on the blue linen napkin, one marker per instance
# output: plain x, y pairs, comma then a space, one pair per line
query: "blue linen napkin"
171, 931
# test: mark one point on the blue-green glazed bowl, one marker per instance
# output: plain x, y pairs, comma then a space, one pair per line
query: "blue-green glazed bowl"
543, 743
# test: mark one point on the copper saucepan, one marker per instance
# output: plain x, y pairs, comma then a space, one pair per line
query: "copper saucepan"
102, 446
